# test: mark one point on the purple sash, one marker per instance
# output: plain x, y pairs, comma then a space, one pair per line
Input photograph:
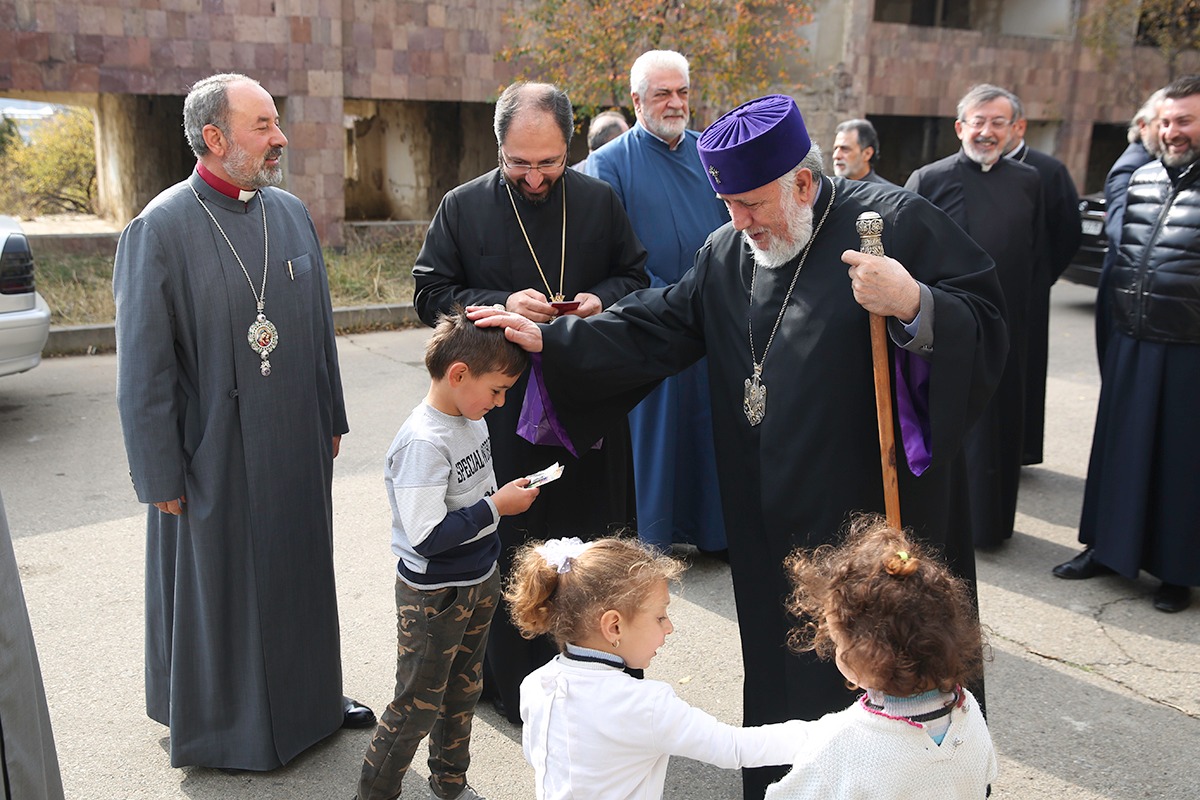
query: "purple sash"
912, 406
538, 424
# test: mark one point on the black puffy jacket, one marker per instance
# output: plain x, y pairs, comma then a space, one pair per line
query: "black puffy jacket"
1155, 282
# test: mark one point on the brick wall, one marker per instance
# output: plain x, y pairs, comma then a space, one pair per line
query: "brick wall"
310, 54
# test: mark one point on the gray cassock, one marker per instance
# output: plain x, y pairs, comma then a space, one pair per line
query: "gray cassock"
242, 643
29, 766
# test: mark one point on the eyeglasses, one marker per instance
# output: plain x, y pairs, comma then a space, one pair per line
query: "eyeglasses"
977, 123
520, 169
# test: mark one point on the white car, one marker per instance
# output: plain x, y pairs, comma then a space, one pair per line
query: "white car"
24, 315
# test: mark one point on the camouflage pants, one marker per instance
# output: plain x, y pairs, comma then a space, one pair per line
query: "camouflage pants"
441, 638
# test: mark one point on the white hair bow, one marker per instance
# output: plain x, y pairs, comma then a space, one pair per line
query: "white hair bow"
559, 553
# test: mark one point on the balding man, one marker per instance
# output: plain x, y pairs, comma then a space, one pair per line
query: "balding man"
549, 243
604, 127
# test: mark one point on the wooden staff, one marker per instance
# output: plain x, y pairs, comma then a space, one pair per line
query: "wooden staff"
870, 236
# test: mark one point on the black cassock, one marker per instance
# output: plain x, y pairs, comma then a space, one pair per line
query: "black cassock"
1062, 235
475, 254
1002, 211
794, 479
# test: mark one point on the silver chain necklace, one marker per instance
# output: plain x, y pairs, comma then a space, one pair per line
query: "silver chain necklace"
262, 335
754, 401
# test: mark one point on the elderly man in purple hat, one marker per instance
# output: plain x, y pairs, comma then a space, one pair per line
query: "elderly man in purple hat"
778, 299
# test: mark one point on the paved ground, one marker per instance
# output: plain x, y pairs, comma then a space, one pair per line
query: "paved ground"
1092, 693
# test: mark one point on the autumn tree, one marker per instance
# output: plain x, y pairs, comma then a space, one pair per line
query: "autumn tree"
738, 49
10, 136
56, 170
1171, 26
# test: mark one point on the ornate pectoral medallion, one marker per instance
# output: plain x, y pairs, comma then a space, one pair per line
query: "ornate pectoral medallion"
263, 338
754, 402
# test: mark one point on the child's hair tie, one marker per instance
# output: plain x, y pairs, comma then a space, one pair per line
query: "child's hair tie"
900, 564
559, 553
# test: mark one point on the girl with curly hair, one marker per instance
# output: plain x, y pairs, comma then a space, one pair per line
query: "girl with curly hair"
591, 727
900, 626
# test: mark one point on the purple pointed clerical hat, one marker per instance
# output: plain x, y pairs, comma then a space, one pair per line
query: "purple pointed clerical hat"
754, 144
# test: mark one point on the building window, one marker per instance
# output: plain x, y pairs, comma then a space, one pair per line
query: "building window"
928, 13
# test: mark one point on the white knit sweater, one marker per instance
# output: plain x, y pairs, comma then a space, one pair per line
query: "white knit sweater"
860, 754
592, 732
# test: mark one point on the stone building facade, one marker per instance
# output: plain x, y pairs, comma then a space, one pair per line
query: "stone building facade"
425, 69
387, 103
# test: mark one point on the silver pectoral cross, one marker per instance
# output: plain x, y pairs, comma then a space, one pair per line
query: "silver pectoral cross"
754, 402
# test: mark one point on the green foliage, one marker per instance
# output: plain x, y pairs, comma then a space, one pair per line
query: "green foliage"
9, 135
738, 49
1171, 26
56, 171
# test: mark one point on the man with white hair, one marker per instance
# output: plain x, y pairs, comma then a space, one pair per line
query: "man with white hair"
657, 173
778, 299
998, 202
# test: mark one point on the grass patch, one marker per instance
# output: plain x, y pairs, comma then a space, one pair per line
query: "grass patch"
79, 288
375, 271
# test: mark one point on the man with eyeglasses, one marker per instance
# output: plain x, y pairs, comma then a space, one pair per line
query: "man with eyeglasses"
998, 202
656, 171
545, 242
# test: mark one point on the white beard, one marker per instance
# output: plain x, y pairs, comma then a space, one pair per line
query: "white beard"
779, 250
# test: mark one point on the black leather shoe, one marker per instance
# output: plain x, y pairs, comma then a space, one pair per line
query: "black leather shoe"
1081, 567
1170, 597
356, 715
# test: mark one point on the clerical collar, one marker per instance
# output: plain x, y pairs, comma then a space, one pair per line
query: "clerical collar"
1018, 153
985, 168
223, 186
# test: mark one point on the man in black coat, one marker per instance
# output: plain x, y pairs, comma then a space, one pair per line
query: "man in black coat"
549, 243
998, 202
1062, 227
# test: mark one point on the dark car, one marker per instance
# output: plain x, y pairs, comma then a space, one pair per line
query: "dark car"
1093, 244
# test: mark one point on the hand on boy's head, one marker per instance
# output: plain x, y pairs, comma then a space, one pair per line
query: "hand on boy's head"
518, 330
515, 497
531, 304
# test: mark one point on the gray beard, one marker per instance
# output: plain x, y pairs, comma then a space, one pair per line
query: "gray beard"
238, 164
1188, 156
799, 231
